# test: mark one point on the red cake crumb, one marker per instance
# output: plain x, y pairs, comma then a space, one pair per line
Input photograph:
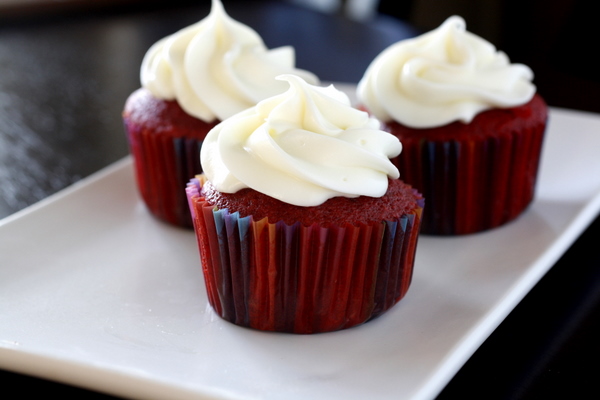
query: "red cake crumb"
163, 116
493, 122
399, 199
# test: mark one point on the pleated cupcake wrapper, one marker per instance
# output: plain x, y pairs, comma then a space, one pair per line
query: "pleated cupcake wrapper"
302, 279
472, 185
163, 167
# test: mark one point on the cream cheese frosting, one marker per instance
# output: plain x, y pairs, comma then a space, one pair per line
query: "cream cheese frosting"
444, 75
217, 67
302, 147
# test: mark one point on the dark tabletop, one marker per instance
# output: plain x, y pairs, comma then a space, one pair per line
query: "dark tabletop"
64, 78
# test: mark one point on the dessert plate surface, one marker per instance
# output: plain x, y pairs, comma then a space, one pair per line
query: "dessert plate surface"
96, 293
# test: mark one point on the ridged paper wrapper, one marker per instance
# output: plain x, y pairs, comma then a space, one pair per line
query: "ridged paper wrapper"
302, 279
479, 179
163, 166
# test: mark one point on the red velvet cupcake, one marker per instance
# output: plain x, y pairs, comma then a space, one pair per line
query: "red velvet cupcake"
302, 224
470, 123
279, 267
165, 142
475, 176
191, 81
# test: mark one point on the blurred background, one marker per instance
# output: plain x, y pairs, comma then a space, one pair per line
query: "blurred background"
556, 38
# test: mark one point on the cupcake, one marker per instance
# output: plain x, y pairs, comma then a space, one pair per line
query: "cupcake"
190, 81
470, 122
302, 223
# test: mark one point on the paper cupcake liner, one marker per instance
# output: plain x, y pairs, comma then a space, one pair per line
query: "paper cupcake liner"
163, 166
472, 185
302, 279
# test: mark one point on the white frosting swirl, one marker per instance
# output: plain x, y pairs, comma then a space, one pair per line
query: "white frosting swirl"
216, 67
302, 147
445, 75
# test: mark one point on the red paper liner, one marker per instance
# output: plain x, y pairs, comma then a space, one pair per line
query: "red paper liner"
302, 279
163, 166
473, 181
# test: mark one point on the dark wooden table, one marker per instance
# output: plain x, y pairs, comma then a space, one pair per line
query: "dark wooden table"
64, 78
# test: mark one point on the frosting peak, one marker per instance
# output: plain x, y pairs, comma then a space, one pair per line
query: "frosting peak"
302, 147
216, 67
444, 75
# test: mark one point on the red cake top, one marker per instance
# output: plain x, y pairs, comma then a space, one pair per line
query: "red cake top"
163, 116
399, 199
486, 123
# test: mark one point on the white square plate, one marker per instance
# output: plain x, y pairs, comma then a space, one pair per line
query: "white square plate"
94, 292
